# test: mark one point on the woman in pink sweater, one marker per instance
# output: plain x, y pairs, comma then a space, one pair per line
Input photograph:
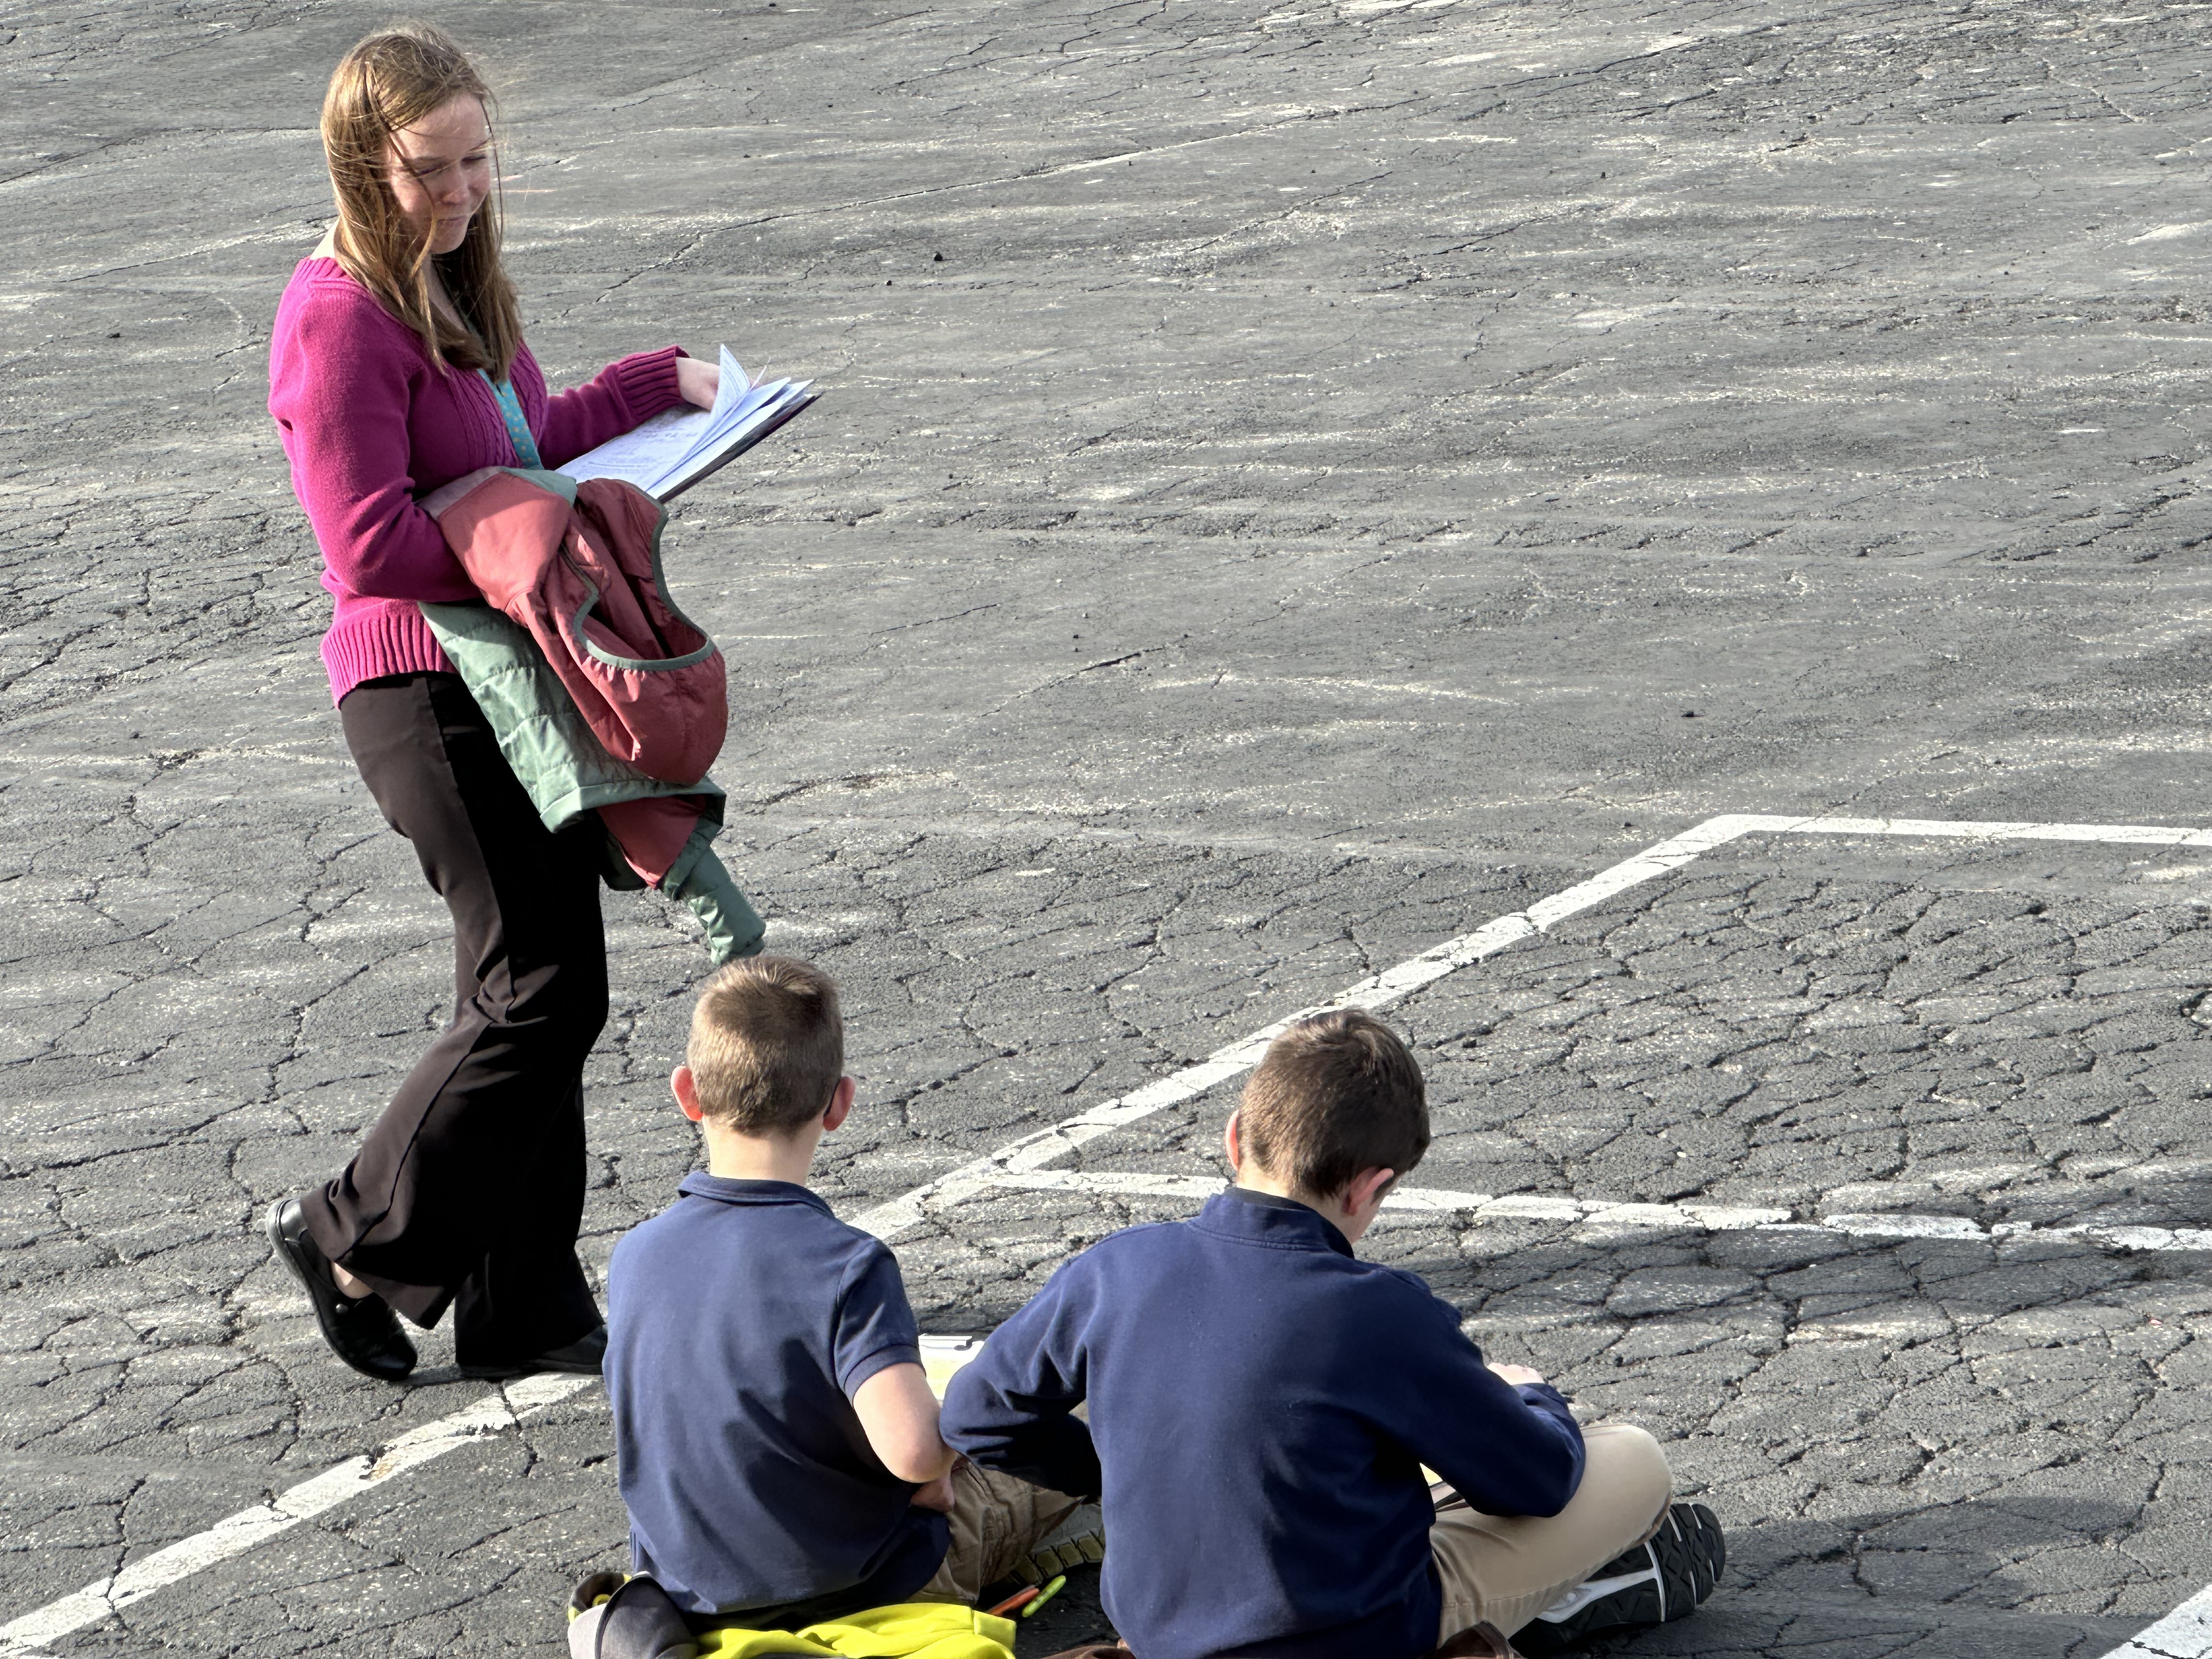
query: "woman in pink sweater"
396, 366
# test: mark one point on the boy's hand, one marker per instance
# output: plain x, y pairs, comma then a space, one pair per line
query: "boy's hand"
937, 1495
1518, 1375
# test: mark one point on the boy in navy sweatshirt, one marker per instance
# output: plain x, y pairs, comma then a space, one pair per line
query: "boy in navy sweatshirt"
776, 1437
1262, 1403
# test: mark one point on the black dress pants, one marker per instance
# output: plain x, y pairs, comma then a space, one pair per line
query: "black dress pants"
469, 1190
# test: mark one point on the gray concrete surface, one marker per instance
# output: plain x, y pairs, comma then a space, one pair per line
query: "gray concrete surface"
1354, 468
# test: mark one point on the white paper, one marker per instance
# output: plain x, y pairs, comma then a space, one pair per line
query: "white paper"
767, 404
641, 455
678, 443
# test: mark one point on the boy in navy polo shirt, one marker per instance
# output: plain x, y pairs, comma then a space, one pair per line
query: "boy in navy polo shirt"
775, 1434
1262, 1403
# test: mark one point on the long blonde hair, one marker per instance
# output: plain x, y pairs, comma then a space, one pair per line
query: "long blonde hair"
390, 80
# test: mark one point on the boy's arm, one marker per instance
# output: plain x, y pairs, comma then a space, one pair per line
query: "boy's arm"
877, 1354
1009, 1408
1508, 1449
899, 1415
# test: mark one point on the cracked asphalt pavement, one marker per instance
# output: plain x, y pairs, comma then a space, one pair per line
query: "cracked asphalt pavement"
1292, 484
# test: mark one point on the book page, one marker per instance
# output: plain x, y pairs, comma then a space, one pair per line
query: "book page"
679, 445
648, 455
643, 455
766, 409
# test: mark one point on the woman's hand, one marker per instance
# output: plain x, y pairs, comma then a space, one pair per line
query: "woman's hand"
698, 380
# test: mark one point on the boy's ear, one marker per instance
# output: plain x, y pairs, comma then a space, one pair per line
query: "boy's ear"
841, 1104
686, 1091
1367, 1189
1232, 1146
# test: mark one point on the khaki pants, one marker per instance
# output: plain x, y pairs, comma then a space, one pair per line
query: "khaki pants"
1507, 1572
996, 1521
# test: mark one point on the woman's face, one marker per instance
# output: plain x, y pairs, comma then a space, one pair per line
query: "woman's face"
439, 170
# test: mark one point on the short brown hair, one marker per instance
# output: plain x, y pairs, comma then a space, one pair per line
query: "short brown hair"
768, 1045
1333, 1096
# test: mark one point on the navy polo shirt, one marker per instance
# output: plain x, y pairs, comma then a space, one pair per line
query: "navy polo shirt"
740, 1322
1262, 1401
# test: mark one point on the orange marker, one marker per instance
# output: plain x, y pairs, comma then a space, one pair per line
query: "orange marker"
1018, 1599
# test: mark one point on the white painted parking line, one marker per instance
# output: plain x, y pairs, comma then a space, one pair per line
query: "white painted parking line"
2185, 1634
2127, 834
1602, 1216
1035, 1150
234, 1534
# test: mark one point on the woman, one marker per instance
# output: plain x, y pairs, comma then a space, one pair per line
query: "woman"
396, 366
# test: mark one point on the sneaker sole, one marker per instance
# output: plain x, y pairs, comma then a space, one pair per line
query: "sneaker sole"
1692, 1554
1679, 1568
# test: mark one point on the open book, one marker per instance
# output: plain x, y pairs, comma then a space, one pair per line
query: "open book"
678, 447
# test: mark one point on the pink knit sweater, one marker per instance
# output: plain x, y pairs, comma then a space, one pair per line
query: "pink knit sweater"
369, 423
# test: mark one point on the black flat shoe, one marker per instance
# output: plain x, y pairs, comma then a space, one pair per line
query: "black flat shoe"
361, 1330
579, 1359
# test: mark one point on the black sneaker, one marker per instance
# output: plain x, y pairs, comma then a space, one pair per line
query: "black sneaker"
1654, 1583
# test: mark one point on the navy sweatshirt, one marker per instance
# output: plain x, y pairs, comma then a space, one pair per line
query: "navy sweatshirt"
1261, 1403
